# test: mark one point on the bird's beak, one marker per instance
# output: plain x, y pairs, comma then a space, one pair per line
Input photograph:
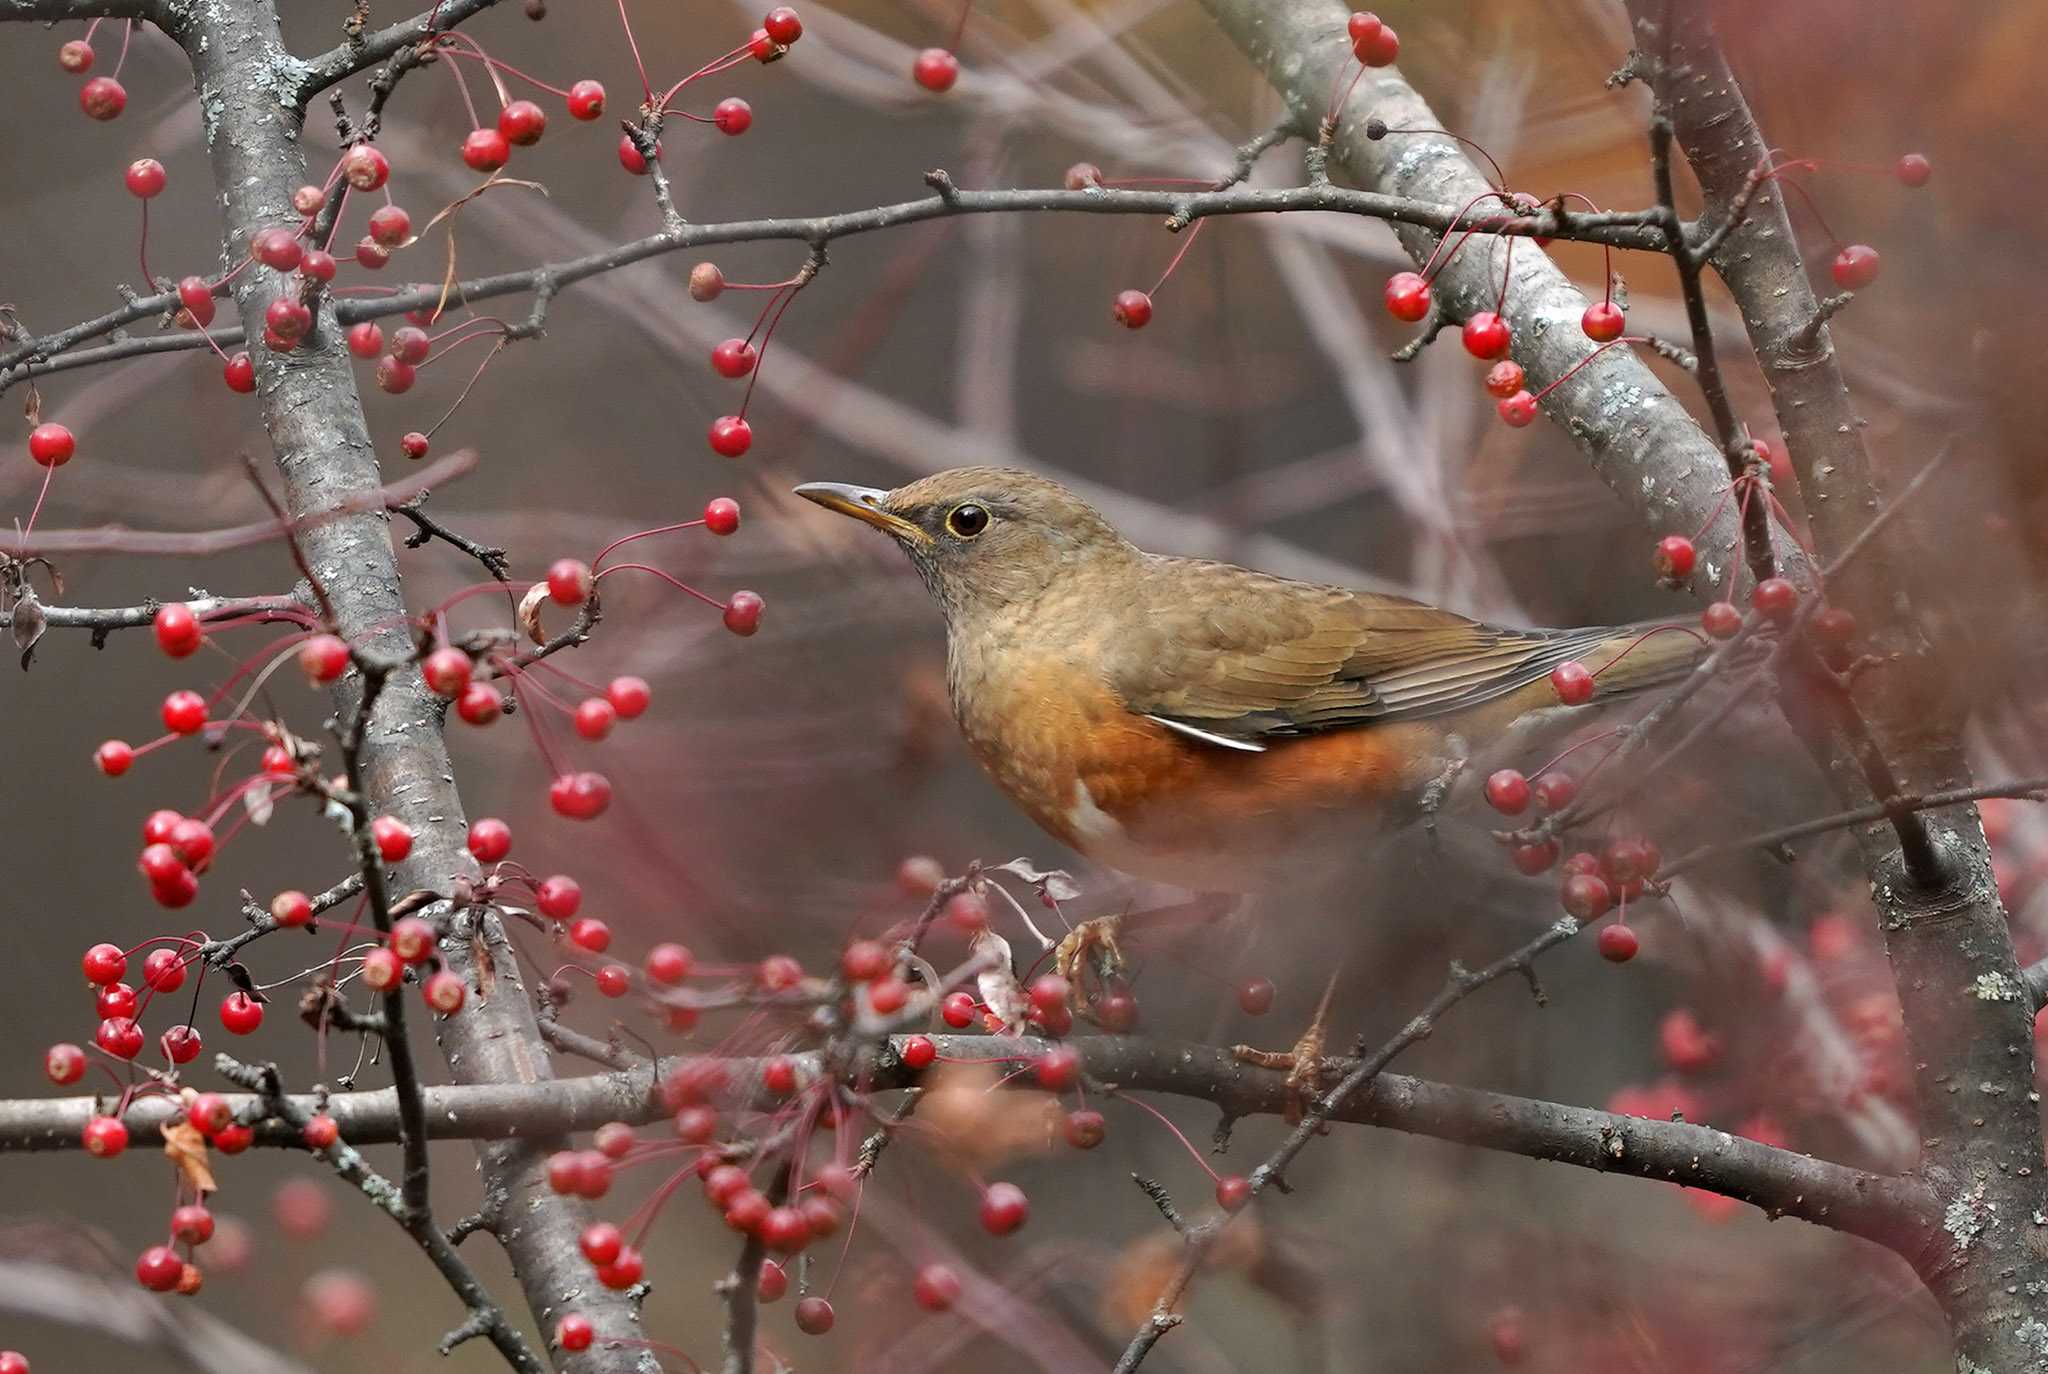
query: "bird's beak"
862, 503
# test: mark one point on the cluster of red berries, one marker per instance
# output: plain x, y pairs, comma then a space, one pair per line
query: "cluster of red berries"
1593, 883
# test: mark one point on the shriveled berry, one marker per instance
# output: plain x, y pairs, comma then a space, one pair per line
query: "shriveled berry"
365, 168
1504, 378
75, 57
1518, 410
102, 98
707, 283
390, 225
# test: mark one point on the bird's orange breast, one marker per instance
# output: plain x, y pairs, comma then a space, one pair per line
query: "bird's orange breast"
1134, 794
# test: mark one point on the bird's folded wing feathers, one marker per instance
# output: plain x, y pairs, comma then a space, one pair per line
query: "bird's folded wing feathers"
1270, 657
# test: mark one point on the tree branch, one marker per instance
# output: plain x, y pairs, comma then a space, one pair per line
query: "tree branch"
365, 51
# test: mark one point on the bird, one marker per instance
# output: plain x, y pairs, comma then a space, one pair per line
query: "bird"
1201, 724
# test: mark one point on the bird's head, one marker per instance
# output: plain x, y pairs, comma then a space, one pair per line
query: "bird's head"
982, 538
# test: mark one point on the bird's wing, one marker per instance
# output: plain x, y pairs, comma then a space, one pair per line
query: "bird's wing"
1228, 652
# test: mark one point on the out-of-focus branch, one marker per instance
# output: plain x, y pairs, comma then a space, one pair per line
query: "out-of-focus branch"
57, 11
199, 543
112, 1304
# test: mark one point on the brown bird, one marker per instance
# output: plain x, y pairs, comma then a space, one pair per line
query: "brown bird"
1203, 724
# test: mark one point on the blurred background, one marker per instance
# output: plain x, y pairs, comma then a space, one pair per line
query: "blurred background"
767, 801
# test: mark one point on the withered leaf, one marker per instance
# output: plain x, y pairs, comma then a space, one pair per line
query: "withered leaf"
29, 623
529, 612
186, 1149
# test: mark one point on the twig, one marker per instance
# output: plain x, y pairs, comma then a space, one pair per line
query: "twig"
426, 528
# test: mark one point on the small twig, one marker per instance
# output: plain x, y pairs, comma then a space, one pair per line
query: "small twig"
1163, 1200
426, 528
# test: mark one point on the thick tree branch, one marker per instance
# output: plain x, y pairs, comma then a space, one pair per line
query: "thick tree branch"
1891, 1211
1967, 1007
332, 487
364, 51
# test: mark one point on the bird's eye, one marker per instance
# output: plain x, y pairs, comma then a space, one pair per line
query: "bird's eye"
967, 520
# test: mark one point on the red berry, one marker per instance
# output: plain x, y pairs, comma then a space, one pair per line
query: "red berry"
159, 1269
1721, 620
323, 658
395, 376
522, 122
1775, 599
574, 1332
887, 996
412, 939
1519, 410
1049, 993
114, 758
1572, 683
1085, 1129
365, 168
1407, 296
614, 980
104, 964
1508, 792
240, 1013
240, 373
195, 298
936, 1288
623, 1272
145, 178
731, 436
569, 582
410, 344
105, 1137
580, 796
393, 838
734, 358
1603, 321
1255, 996
1586, 896
782, 25
743, 613
75, 57
486, 150
1617, 943
733, 116
445, 992
390, 226
785, 1230
1378, 49
490, 839
64, 1064
629, 696
382, 970
1533, 859
958, 1010
1131, 309
291, 908
1504, 378
601, 1242
365, 340
184, 712
589, 933
1914, 170
278, 249
669, 964
779, 973
480, 704
936, 70
51, 445
446, 672
119, 1036
180, 1044
102, 98
863, 960
559, 897
1833, 626
586, 100
1363, 26
1004, 1208
1232, 1192
317, 265
632, 159
1058, 1069
320, 1132
371, 254
192, 1224
813, 1316
1675, 556
919, 1052
773, 1283
1856, 266
721, 515
163, 970
1486, 335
